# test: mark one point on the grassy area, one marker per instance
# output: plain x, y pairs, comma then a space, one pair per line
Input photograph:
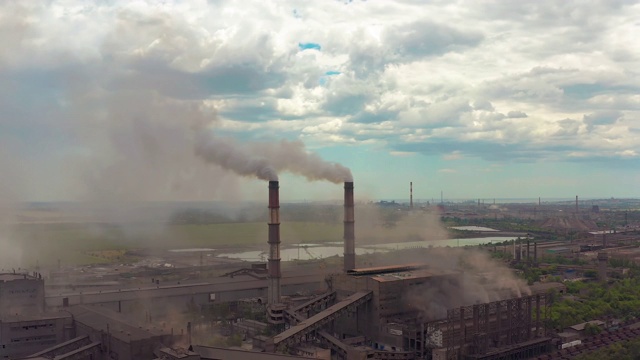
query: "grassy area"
102, 243
89, 244
250, 234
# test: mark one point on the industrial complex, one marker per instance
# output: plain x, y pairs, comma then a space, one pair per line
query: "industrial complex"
408, 310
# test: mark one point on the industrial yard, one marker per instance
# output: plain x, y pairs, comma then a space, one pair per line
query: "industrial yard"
498, 284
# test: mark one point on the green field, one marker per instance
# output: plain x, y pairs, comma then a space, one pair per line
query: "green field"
73, 243
89, 243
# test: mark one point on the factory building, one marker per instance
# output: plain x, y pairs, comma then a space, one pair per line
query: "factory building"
24, 325
368, 315
25, 334
21, 293
119, 338
388, 285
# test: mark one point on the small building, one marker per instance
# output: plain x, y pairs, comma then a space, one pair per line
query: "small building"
579, 329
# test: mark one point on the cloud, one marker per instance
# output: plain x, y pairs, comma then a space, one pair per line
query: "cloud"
402, 153
409, 76
606, 117
427, 38
447, 171
454, 155
516, 115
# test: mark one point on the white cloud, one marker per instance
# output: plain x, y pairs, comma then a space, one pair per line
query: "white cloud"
402, 153
543, 80
454, 155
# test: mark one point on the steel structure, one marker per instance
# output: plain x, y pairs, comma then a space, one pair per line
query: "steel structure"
298, 333
476, 330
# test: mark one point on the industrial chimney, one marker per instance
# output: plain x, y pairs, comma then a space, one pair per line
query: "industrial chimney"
603, 260
274, 243
411, 195
349, 228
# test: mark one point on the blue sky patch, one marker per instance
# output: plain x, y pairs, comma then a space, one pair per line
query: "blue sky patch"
309, 46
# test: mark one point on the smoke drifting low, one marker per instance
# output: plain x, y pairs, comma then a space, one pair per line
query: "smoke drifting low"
482, 280
265, 160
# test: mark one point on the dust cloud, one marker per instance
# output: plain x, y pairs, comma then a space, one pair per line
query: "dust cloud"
481, 280
376, 224
10, 195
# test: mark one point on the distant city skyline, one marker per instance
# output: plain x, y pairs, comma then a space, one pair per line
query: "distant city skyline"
105, 101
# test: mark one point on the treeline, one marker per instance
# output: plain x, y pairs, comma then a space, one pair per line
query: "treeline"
620, 300
623, 350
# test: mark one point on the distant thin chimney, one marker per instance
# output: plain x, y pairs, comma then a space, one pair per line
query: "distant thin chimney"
411, 195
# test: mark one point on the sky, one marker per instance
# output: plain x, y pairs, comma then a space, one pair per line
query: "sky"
100, 100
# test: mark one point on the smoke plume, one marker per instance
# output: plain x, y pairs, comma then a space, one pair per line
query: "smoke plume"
482, 280
265, 159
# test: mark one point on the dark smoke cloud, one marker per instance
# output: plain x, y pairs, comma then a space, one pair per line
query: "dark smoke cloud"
265, 159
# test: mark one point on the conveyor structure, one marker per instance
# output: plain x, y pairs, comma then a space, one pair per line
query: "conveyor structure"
297, 333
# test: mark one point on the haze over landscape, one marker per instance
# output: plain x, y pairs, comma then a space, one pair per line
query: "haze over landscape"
336, 179
507, 99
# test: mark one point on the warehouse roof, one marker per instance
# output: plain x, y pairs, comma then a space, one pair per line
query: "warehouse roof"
413, 274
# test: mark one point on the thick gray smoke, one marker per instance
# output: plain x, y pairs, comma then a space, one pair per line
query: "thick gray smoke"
265, 159
233, 156
481, 280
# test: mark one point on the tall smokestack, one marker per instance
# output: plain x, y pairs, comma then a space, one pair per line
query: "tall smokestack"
576, 204
349, 228
411, 195
274, 243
